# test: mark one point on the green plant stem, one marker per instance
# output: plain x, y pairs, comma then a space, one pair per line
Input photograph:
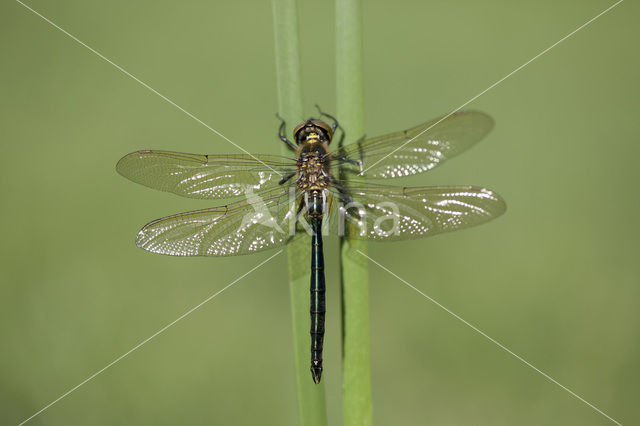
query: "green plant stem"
354, 274
311, 399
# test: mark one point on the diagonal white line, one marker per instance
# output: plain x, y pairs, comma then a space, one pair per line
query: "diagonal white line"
127, 73
496, 83
491, 339
147, 339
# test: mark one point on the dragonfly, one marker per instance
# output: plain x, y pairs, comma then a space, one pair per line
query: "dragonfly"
317, 191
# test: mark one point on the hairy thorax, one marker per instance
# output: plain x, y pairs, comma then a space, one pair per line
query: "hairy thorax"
313, 166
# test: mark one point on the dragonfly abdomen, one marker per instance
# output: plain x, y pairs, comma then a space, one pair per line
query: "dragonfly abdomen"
317, 286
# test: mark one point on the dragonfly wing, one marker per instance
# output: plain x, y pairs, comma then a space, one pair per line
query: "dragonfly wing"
258, 223
204, 176
387, 213
414, 150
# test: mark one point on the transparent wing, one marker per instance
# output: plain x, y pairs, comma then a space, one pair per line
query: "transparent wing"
430, 144
260, 222
204, 176
388, 213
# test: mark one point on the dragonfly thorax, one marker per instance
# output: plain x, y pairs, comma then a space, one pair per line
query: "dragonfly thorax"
313, 167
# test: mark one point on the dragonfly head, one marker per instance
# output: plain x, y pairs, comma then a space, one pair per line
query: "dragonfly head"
312, 131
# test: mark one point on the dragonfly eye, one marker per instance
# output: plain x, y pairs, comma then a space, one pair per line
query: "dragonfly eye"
325, 127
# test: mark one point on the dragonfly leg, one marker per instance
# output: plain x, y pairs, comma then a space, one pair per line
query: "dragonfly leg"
350, 161
359, 142
282, 136
286, 178
335, 124
344, 195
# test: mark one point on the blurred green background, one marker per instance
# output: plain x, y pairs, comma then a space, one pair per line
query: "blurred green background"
555, 279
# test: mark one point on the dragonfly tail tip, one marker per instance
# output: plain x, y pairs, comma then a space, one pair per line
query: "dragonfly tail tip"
316, 373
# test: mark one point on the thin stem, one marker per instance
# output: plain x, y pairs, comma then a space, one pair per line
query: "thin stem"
311, 399
353, 266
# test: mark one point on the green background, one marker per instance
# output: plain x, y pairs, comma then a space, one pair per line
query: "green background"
555, 279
